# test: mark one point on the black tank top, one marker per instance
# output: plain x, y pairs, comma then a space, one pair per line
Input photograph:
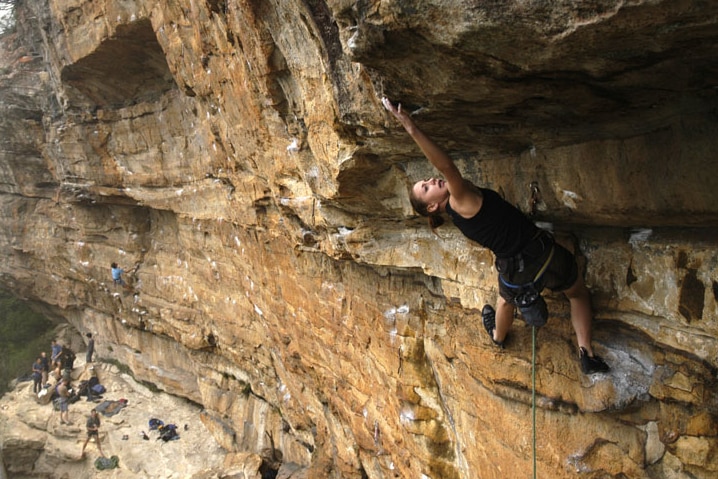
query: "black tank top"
498, 226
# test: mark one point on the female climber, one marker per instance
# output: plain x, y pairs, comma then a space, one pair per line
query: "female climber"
527, 258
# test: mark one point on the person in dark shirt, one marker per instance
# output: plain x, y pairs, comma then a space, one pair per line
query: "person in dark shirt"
527, 258
93, 430
37, 375
67, 359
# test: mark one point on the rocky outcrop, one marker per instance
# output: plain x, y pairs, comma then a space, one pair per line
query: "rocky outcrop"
236, 157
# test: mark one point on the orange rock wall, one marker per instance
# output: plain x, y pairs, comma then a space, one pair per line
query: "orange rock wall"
236, 156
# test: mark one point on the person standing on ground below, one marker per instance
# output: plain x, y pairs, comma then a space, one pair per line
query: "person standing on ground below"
527, 257
37, 376
90, 348
67, 361
63, 391
45, 367
93, 430
55, 352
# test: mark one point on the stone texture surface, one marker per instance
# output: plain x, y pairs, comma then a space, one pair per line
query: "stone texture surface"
235, 155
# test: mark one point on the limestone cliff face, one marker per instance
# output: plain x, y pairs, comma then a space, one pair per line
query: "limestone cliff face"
237, 155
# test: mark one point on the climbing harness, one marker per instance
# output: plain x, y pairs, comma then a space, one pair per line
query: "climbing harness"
528, 299
540, 272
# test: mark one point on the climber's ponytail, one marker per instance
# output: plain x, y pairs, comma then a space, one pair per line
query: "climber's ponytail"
435, 221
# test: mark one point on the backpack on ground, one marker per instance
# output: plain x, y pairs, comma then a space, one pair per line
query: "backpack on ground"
155, 424
168, 432
102, 463
82, 388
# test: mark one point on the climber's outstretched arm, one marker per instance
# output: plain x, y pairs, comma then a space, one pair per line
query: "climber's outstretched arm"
464, 197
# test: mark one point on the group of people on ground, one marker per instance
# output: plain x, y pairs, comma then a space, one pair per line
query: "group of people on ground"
60, 358
61, 364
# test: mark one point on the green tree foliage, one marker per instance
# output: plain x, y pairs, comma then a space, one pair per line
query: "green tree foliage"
23, 335
7, 15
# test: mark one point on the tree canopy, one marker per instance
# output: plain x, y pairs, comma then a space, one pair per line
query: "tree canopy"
24, 333
7, 15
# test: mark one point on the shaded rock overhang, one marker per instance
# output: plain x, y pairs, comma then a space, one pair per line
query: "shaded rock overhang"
126, 69
518, 78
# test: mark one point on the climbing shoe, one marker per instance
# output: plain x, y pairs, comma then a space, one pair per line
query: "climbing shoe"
488, 315
590, 365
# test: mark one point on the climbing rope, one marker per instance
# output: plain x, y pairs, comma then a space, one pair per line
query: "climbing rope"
533, 391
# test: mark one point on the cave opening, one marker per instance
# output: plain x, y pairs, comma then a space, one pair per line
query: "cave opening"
125, 69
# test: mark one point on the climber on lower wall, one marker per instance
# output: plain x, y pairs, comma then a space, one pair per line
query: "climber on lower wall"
117, 272
527, 258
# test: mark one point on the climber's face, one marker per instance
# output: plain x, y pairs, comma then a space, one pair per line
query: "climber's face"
432, 192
